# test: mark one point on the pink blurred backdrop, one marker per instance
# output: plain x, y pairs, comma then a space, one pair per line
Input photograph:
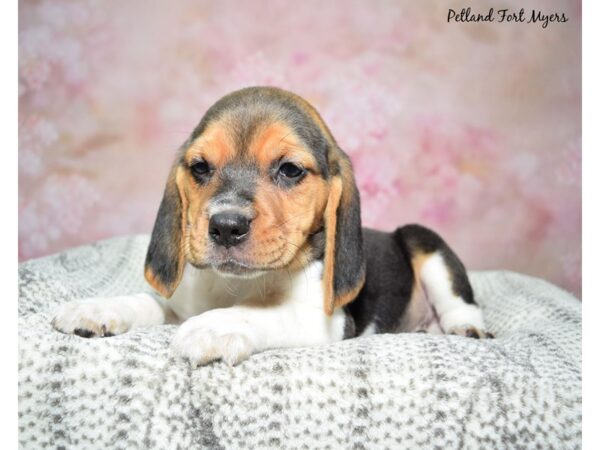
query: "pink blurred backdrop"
472, 129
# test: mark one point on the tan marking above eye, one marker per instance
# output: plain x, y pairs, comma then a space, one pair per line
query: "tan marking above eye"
271, 143
276, 142
215, 146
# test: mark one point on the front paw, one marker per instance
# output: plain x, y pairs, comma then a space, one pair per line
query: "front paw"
213, 336
91, 318
470, 332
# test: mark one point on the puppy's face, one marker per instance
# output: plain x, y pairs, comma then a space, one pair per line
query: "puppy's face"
260, 185
253, 202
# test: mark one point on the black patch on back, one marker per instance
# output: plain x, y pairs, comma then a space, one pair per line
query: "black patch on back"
388, 285
390, 275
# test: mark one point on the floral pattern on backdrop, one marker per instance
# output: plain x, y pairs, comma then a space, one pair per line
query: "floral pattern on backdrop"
473, 129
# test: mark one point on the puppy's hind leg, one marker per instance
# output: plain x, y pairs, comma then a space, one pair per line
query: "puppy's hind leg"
443, 278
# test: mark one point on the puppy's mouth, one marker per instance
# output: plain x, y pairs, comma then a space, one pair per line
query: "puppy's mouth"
233, 268
238, 261
232, 263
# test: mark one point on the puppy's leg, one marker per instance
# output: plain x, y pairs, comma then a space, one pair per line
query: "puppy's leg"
232, 334
103, 317
444, 280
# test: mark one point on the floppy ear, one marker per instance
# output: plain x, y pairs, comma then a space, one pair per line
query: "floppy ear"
165, 258
344, 268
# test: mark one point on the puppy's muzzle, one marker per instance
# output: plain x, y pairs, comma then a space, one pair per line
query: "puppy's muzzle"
229, 228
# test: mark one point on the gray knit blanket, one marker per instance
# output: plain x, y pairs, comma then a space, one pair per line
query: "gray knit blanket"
413, 391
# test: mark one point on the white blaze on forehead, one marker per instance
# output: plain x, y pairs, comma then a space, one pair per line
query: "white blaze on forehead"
229, 203
217, 208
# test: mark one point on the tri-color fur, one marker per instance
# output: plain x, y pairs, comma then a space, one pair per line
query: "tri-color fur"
258, 241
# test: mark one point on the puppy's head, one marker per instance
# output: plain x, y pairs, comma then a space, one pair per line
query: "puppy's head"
260, 185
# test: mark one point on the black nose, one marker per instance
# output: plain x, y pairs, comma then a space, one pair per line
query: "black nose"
228, 228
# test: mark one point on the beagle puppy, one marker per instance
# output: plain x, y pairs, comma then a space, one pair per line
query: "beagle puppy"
258, 245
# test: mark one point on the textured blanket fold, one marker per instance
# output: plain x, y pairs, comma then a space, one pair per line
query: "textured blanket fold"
520, 390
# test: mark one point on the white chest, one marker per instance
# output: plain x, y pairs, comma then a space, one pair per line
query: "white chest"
203, 290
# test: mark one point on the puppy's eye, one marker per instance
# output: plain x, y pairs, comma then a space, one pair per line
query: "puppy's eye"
200, 168
290, 170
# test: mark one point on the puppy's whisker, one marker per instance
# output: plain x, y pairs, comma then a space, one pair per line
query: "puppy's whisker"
295, 216
228, 288
281, 140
